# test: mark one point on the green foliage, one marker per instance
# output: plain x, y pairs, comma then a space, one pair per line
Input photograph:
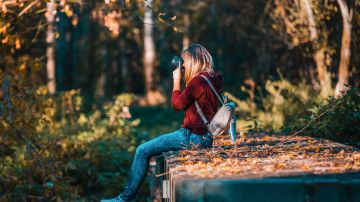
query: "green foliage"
290, 107
279, 108
55, 151
339, 119
30, 166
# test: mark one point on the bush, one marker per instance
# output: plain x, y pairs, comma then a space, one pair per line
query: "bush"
339, 119
278, 109
289, 107
52, 150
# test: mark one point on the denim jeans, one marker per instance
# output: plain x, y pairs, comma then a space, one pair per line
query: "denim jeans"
177, 140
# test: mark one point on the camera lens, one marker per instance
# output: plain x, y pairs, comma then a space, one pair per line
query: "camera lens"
176, 62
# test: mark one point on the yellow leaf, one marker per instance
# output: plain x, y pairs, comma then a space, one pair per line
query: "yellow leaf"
217, 160
280, 165
341, 153
305, 167
227, 143
226, 168
22, 68
5, 40
297, 146
42, 90
17, 43
181, 159
3, 29
161, 20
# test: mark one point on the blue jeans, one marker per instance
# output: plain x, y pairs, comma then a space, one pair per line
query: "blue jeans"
177, 140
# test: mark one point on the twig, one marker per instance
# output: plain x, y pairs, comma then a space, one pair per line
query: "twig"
27, 8
161, 174
307, 125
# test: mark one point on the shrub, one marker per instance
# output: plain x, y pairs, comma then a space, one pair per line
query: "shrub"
52, 150
278, 109
338, 119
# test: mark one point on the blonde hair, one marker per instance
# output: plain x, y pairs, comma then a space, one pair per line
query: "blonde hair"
196, 60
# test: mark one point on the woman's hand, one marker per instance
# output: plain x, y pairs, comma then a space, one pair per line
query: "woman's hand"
177, 78
177, 74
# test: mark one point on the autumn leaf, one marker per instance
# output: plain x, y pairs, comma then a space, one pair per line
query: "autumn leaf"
280, 165
181, 159
305, 167
17, 43
22, 68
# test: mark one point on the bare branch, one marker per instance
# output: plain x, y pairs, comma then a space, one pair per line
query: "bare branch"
28, 7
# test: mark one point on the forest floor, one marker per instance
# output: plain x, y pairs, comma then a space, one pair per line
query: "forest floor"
260, 155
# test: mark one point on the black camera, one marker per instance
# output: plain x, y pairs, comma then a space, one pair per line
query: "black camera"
177, 62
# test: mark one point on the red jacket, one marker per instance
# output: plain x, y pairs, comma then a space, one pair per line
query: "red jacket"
198, 89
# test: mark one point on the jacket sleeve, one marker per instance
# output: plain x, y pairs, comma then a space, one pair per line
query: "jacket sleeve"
182, 100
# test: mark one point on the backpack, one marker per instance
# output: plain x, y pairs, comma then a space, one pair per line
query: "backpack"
224, 119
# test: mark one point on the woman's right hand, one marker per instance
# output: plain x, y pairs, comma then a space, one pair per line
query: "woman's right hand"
177, 75
177, 78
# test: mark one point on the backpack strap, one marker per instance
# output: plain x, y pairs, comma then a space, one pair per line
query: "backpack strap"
200, 112
212, 87
198, 109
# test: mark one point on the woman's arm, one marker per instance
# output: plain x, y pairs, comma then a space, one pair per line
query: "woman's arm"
182, 100
177, 79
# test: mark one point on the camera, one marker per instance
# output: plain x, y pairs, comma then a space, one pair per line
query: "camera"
176, 62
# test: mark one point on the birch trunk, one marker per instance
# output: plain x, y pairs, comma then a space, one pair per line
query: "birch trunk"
50, 51
319, 55
345, 52
153, 96
149, 47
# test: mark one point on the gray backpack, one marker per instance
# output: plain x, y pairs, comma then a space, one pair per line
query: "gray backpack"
223, 119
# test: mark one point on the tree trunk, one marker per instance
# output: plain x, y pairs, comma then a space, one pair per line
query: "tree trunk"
149, 47
345, 52
311, 20
50, 51
322, 73
124, 64
186, 37
100, 88
319, 55
153, 96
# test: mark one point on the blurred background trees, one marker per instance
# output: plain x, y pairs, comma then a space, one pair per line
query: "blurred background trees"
108, 47
70, 69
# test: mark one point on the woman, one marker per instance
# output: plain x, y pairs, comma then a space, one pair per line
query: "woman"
193, 132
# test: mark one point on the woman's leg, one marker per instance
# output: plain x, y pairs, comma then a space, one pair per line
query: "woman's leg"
176, 140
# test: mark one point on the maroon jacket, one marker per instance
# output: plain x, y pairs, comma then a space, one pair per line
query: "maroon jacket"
198, 89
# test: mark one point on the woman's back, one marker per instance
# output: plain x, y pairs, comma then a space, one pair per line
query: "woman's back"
198, 89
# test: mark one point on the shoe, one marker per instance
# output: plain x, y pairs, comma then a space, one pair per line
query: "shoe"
117, 199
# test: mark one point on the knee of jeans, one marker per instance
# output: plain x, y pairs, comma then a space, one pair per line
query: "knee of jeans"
140, 149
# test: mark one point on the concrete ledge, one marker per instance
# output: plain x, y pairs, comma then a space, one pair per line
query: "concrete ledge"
301, 169
327, 188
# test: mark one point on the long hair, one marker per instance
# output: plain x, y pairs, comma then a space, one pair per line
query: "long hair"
196, 60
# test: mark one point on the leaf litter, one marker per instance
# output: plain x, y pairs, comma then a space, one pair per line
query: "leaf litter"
255, 157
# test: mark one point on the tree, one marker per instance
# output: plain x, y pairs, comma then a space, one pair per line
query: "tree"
50, 51
153, 96
307, 30
345, 52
